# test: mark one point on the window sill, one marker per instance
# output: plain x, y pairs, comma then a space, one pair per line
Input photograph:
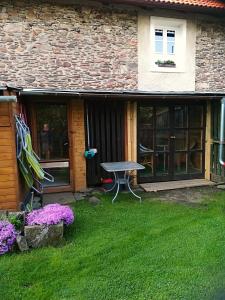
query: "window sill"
166, 65
166, 69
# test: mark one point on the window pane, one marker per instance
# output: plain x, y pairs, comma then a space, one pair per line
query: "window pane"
162, 140
159, 41
181, 140
181, 163
195, 116
162, 117
195, 162
170, 41
195, 139
162, 164
146, 159
146, 141
180, 118
146, 116
61, 177
145, 128
52, 131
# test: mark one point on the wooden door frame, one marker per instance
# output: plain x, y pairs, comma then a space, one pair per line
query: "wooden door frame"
172, 176
33, 125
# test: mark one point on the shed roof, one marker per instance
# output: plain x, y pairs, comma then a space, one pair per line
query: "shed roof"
121, 94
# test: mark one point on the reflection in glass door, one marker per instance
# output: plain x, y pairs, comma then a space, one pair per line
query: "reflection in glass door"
171, 141
162, 137
52, 141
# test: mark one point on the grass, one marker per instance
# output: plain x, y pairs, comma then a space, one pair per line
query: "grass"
127, 251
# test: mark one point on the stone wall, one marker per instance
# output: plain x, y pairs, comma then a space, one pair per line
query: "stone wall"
210, 57
47, 45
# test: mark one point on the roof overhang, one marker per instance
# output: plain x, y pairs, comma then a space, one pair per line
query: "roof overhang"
121, 95
170, 5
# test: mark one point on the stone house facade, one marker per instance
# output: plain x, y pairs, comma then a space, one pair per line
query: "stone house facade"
75, 46
60, 57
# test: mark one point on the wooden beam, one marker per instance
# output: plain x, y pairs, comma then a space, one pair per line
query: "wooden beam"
208, 141
131, 133
77, 138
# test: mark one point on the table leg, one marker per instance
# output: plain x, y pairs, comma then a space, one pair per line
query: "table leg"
128, 184
112, 188
118, 186
124, 181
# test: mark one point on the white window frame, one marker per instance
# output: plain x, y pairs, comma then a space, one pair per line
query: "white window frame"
165, 42
179, 56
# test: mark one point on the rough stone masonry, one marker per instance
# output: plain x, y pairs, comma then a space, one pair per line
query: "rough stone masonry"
210, 57
89, 47
47, 45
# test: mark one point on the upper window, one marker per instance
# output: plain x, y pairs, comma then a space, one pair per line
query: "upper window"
164, 41
168, 43
159, 41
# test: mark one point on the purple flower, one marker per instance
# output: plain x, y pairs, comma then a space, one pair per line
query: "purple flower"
50, 215
7, 236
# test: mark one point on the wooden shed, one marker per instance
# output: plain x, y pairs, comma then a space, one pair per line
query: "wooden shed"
121, 125
9, 183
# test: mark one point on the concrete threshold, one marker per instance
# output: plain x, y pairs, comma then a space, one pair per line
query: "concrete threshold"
173, 185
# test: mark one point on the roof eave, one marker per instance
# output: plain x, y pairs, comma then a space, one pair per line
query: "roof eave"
123, 95
172, 6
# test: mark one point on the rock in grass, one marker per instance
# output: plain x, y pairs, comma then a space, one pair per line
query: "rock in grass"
94, 200
79, 196
22, 243
44, 235
221, 187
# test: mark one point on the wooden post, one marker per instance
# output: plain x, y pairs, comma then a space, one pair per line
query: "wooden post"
78, 144
208, 141
131, 133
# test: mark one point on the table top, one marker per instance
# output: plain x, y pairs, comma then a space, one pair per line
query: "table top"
121, 166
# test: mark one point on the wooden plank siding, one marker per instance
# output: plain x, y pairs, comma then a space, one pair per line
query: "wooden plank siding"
9, 182
107, 134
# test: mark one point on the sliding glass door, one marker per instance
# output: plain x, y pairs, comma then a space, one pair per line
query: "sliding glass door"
171, 141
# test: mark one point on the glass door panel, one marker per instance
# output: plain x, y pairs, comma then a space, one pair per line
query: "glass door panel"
180, 163
146, 116
162, 140
195, 116
53, 142
162, 164
181, 140
195, 162
162, 144
171, 141
162, 116
146, 140
180, 116
52, 131
195, 139
147, 160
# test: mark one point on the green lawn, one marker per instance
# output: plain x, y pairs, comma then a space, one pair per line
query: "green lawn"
156, 250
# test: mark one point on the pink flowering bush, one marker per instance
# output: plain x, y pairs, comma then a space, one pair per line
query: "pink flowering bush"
50, 215
7, 236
